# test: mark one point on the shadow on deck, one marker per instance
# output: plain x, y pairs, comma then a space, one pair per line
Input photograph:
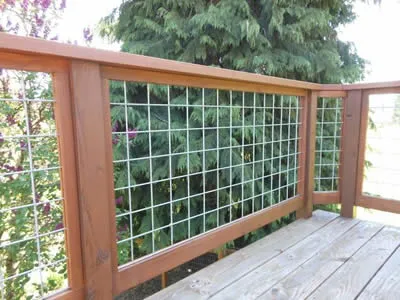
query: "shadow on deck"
324, 257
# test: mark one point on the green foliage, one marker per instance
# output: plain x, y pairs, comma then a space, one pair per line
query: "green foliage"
188, 196
291, 39
30, 203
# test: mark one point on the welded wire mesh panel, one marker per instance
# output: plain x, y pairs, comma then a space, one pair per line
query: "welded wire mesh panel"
382, 157
328, 138
32, 250
188, 160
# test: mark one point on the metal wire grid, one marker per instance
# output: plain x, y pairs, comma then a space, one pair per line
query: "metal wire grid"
188, 160
328, 137
32, 250
382, 169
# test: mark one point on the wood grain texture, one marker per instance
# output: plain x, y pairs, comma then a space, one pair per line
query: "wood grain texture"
355, 274
362, 144
151, 266
386, 283
260, 280
350, 150
332, 94
33, 63
66, 146
326, 197
304, 280
230, 269
307, 148
158, 77
17, 44
93, 179
383, 204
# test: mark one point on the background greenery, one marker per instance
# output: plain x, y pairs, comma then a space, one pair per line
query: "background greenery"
290, 39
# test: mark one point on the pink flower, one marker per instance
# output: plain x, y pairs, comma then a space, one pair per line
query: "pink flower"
63, 4
24, 5
10, 120
37, 197
132, 133
45, 4
115, 127
46, 208
59, 226
87, 34
119, 200
23, 145
115, 140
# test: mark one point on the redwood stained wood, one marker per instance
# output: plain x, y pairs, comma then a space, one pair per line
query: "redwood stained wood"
66, 146
388, 205
307, 147
93, 179
362, 144
350, 151
17, 44
326, 197
197, 81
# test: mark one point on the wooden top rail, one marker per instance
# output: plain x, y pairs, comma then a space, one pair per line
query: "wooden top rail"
33, 46
55, 50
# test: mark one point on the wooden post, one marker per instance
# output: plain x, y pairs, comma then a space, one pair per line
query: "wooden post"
350, 152
93, 179
164, 280
307, 153
66, 144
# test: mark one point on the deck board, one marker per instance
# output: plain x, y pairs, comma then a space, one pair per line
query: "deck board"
324, 257
257, 282
325, 263
386, 284
226, 271
355, 274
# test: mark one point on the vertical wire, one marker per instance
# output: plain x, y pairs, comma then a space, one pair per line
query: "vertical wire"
204, 159
288, 150
272, 148
218, 158
334, 145
230, 157
35, 212
254, 150
263, 157
243, 131
170, 166
188, 158
151, 170
128, 169
280, 149
320, 146
295, 145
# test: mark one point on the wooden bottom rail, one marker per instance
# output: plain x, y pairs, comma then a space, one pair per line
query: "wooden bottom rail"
151, 266
326, 198
383, 204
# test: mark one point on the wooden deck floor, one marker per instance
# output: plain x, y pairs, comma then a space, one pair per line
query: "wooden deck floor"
324, 257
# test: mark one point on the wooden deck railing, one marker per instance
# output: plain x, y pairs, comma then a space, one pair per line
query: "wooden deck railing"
84, 115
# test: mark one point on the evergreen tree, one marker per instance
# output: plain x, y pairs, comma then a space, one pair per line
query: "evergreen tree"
291, 39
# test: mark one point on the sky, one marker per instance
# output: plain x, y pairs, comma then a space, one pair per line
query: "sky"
375, 32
